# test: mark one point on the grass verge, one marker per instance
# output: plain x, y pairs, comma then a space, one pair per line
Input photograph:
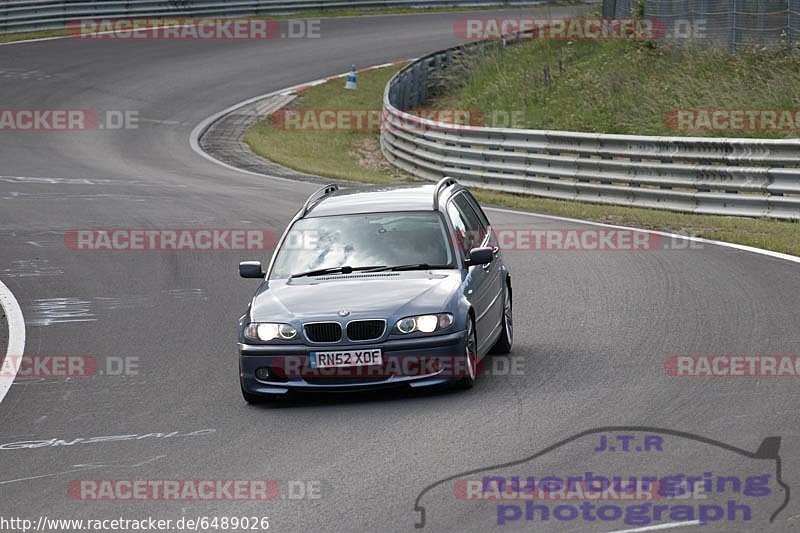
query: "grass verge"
355, 155
25, 36
630, 87
352, 155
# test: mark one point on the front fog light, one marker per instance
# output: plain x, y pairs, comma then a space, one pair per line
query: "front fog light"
262, 373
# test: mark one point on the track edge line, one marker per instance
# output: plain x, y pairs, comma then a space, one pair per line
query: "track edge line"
16, 337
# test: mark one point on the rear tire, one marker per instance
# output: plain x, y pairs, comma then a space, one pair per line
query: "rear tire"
506, 339
471, 363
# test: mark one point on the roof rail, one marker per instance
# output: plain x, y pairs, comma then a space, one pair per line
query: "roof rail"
318, 195
443, 184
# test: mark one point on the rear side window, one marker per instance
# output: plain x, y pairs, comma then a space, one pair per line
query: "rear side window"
474, 203
459, 225
470, 231
476, 228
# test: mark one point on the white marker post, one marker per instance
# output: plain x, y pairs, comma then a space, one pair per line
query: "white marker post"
351, 79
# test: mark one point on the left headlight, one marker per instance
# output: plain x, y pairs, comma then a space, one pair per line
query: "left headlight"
267, 331
423, 323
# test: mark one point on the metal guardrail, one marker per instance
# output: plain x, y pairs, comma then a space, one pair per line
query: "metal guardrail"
722, 176
30, 15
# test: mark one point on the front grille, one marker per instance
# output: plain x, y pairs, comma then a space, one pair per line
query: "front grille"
324, 332
365, 330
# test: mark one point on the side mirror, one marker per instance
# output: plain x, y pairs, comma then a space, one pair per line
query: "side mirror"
481, 256
251, 269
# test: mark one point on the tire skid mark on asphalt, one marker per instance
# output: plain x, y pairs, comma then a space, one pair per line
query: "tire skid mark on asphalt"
64, 310
49, 311
26, 268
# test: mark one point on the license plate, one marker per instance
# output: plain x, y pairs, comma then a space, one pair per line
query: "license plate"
342, 358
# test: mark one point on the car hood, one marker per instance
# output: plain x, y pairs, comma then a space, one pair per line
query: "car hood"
375, 295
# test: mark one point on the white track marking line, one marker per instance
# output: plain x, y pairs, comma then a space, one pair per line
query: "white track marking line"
16, 336
742, 247
659, 526
40, 39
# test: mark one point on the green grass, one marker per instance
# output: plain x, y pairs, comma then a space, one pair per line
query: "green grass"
24, 36
343, 154
356, 156
625, 87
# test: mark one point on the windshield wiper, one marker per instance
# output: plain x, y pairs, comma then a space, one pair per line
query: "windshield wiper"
346, 269
412, 266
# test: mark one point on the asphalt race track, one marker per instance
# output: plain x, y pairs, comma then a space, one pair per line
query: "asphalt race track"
593, 330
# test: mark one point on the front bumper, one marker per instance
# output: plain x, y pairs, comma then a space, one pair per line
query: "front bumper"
289, 368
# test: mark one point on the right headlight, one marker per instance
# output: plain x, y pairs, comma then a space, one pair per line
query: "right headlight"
267, 331
423, 323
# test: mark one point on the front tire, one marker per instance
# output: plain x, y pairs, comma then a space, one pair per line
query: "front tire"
506, 339
471, 363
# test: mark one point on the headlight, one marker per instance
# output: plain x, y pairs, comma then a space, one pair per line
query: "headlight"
267, 331
423, 323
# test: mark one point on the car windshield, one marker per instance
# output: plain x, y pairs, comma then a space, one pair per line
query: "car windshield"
363, 240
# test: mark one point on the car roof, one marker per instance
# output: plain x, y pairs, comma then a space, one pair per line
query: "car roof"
379, 199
